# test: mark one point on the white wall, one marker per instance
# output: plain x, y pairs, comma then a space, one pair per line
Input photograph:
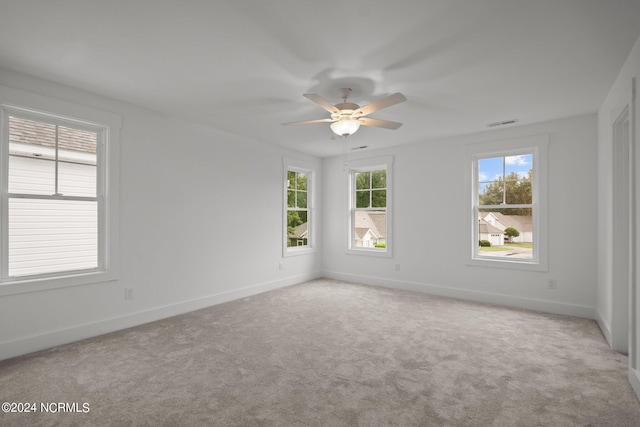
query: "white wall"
619, 95
200, 223
429, 223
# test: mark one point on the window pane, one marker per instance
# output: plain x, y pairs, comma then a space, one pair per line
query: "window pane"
518, 192
47, 236
491, 193
291, 199
76, 179
23, 132
77, 154
302, 199
32, 163
297, 228
519, 165
363, 180
31, 175
489, 169
301, 180
379, 179
490, 181
76, 144
505, 233
379, 198
32, 150
363, 199
370, 229
291, 179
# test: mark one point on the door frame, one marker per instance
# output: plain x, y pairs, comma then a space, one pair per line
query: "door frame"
634, 291
622, 234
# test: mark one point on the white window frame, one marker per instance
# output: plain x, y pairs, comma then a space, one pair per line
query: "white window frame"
367, 165
311, 169
40, 108
536, 145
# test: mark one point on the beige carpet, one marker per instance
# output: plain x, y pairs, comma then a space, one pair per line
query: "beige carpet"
327, 353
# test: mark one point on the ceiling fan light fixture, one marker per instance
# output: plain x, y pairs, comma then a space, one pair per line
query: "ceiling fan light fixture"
346, 117
345, 127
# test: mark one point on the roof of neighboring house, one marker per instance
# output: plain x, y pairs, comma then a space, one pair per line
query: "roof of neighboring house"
361, 232
300, 232
519, 222
25, 131
486, 228
376, 221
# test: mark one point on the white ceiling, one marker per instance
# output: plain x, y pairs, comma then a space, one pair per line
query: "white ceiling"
242, 66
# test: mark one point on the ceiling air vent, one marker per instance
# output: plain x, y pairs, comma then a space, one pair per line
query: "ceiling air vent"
502, 123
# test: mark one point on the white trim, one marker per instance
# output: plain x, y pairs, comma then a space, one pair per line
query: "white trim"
310, 168
604, 327
370, 163
17, 98
63, 336
465, 294
49, 109
537, 145
364, 165
634, 379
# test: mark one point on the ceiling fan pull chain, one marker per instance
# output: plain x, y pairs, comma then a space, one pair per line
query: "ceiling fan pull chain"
344, 154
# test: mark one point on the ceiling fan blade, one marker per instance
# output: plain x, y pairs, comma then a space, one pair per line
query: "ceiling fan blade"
387, 124
390, 100
304, 122
322, 102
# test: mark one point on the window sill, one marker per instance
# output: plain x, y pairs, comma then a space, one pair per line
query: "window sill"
508, 264
370, 252
21, 286
294, 251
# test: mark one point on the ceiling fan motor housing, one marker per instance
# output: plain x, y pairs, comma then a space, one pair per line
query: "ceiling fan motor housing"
347, 106
346, 110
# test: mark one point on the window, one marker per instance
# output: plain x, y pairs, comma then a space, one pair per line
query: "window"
299, 224
369, 202
297, 208
54, 201
509, 204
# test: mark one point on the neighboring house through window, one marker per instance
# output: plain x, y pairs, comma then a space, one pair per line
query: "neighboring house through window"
509, 202
55, 200
298, 213
297, 208
369, 206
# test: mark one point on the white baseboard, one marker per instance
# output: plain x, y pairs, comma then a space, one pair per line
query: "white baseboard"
604, 327
634, 379
492, 298
64, 336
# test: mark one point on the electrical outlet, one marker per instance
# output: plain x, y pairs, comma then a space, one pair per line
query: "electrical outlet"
553, 284
281, 266
128, 293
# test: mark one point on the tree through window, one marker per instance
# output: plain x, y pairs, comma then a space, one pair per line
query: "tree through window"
297, 208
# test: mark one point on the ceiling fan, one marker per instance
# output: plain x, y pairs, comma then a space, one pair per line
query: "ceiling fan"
346, 117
